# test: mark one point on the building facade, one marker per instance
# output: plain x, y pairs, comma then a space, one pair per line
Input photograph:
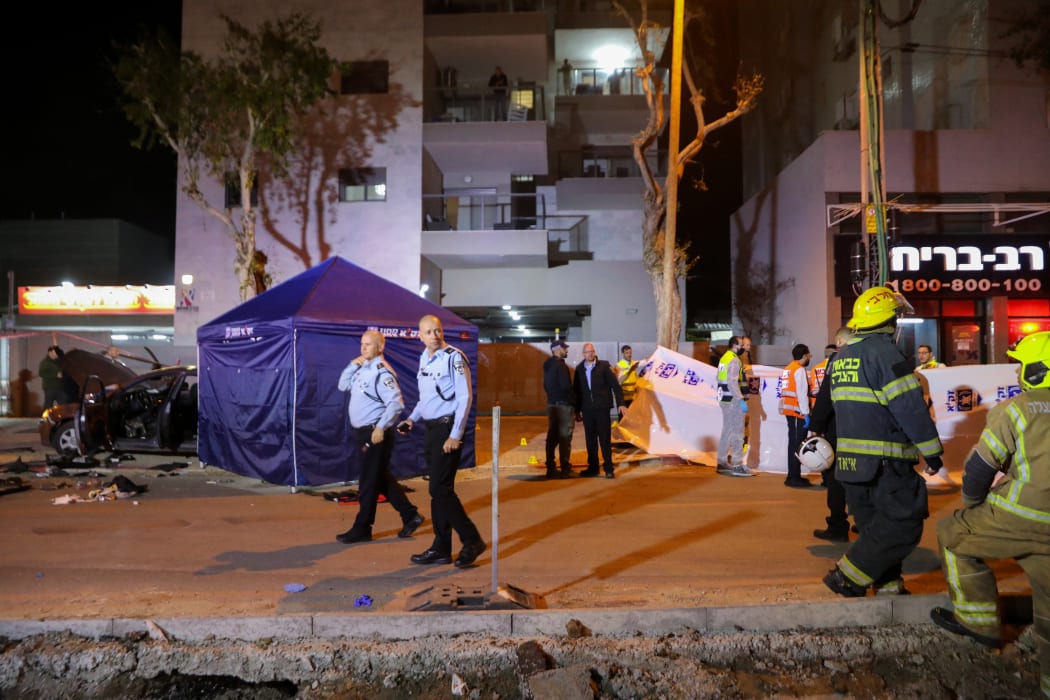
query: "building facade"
967, 172
476, 201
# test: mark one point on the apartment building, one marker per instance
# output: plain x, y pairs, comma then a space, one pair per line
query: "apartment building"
522, 213
967, 170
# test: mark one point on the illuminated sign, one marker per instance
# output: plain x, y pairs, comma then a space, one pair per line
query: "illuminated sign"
970, 266
90, 299
962, 266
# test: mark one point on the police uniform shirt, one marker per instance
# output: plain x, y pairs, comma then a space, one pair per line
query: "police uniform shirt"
375, 398
444, 388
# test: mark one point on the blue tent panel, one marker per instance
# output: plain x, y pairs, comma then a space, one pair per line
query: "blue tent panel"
269, 401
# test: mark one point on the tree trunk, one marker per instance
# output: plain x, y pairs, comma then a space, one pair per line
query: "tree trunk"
668, 314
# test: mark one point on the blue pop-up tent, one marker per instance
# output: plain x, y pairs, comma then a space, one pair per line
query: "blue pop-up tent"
268, 371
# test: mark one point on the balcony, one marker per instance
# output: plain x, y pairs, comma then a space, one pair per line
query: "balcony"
498, 230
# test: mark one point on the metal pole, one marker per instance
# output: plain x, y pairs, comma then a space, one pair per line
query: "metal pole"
495, 498
673, 171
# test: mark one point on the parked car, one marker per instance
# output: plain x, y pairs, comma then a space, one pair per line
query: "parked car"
155, 413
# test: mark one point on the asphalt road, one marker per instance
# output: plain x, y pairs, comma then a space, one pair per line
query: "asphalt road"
203, 542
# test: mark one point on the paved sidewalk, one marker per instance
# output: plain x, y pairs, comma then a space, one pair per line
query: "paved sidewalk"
664, 546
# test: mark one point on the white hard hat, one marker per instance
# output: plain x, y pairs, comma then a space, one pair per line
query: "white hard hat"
816, 454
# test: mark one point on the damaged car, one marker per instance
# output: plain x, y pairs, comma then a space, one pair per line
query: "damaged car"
154, 413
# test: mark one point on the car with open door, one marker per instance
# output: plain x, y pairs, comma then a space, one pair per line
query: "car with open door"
155, 413
56, 426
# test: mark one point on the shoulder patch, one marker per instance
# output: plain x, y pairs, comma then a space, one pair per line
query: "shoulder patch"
388, 381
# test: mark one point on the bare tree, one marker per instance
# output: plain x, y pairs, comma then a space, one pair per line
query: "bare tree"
654, 209
230, 114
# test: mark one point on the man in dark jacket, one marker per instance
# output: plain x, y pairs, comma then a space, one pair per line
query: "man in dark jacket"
822, 422
597, 393
558, 384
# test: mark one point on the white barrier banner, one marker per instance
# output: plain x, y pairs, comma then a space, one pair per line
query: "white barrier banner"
675, 409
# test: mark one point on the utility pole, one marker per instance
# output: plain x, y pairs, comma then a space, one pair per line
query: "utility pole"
872, 159
671, 216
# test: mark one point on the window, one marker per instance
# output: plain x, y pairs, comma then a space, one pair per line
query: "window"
362, 185
233, 191
365, 78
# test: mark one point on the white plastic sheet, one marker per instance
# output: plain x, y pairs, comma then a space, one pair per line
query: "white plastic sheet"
675, 411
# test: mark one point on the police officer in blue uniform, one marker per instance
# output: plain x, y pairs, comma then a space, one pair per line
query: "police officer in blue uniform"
375, 404
445, 396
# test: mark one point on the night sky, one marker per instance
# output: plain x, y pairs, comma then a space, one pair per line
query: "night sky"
67, 149
67, 146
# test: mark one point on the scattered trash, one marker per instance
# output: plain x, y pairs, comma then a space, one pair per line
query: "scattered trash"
155, 631
459, 686
294, 588
12, 484
364, 601
66, 500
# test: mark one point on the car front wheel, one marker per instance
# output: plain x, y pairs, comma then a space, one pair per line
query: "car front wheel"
64, 439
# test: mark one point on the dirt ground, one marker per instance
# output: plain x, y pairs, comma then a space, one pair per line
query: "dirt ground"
889, 662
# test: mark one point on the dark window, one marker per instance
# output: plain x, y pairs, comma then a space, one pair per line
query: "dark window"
362, 185
233, 191
366, 78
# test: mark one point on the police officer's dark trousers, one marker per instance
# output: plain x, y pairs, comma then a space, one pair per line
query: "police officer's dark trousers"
446, 510
889, 511
376, 479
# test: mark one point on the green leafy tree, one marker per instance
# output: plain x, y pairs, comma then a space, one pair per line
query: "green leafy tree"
234, 113
695, 69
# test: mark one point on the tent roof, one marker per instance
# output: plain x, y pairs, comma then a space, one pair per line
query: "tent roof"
338, 290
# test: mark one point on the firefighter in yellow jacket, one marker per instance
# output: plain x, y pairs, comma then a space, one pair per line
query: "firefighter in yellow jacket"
883, 427
1008, 520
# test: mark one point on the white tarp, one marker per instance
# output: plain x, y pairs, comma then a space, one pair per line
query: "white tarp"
675, 411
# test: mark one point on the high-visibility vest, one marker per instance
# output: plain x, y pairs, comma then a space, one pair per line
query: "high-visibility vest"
789, 393
724, 380
816, 376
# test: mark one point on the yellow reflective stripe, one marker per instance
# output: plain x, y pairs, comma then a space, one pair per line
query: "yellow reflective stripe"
994, 446
854, 393
879, 448
901, 385
928, 447
1036, 516
853, 573
1024, 468
978, 614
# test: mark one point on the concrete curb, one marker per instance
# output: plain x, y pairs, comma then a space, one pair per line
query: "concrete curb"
610, 622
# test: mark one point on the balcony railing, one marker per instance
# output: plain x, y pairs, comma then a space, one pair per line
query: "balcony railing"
494, 212
601, 81
480, 104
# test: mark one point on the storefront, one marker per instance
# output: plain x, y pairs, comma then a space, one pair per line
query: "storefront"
973, 294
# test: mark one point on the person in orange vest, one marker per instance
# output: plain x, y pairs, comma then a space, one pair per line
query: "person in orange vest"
794, 405
816, 375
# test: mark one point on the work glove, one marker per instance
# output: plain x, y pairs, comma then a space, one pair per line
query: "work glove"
743, 406
933, 465
805, 423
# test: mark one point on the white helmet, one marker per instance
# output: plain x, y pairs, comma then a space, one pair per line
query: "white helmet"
816, 454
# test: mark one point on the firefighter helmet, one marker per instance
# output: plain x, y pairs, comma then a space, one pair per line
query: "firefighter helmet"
1033, 352
816, 454
876, 306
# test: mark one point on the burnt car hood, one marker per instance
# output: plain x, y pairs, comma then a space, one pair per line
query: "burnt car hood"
78, 364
